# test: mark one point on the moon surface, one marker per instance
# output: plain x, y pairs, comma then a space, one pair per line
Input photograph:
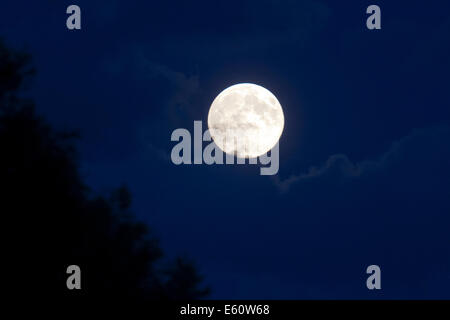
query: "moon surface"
245, 120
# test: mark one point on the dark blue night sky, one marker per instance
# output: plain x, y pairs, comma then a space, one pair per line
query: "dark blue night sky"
364, 157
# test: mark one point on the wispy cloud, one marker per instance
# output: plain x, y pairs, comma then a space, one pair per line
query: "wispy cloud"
421, 147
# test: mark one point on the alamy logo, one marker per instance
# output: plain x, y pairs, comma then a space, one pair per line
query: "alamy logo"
374, 20
374, 280
73, 22
233, 140
74, 280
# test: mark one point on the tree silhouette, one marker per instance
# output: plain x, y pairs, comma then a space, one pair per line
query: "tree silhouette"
52, 220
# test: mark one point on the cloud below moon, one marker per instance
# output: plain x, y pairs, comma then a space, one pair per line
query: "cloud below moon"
411, 158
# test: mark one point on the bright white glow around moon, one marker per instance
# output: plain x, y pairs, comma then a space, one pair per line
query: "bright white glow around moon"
246, 120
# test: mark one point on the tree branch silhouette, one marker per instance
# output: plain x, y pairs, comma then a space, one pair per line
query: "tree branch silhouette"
54, 221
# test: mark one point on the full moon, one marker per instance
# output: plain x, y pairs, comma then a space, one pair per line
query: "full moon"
245, 120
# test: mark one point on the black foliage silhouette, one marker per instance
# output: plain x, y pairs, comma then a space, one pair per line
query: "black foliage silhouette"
52, 221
